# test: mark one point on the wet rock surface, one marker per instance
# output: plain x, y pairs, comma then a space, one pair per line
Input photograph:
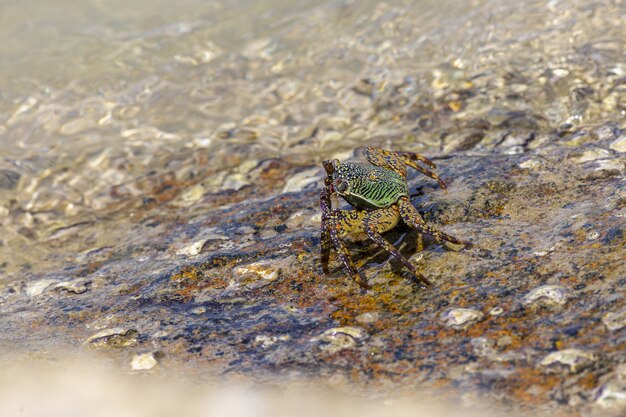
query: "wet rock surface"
197, 252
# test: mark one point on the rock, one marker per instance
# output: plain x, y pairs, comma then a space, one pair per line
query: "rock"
575, 360
547, 296
9, 179
143, 362
460, 318
257, 274
339, 338
370, 317
592, 155
192, 249
266, 341
76, 286
115, 336
619, 144
611, 395
38, 287
615, 320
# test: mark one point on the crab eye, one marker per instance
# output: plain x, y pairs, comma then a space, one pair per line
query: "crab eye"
341, 185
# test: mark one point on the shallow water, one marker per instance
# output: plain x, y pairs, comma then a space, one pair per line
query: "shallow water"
104, 101
138, 138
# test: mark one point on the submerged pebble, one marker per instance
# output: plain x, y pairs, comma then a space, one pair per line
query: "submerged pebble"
573, 359
460, 318
8, 179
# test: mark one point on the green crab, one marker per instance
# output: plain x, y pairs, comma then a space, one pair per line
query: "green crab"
379, 193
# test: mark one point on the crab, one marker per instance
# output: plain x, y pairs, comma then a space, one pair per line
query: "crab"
379, 194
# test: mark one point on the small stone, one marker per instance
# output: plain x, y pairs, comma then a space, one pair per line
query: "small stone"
616, 165
115, 336
496, 311
619, 144
38, 287
160, 334
460, 318
339, 338
593, 235
143, 362
483, 347
592, 155
335, 123
266, 341
529, 164
193, 194
614, 320
198, 310
560, 72
612, 395
76, 286
574, 359
547, 295
369, 317
263, 269
8, 179
192, 249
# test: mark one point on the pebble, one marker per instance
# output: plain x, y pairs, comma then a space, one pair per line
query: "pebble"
592, 155
38, 287
574, 359
619, 144
75, 286
615, 320
123, 337
369, 317
547, 295
263, 269
496, 311
8, 179
530, 164
339, 338
460, 318
266, 341
143, 362
198, 310
612, 394
192, 249
193, 194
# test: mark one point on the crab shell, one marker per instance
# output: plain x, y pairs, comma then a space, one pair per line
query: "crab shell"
364, 185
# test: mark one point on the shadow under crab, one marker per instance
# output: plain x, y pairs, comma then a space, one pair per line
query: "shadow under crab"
379, 194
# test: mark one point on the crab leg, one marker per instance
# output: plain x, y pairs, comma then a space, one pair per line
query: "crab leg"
411, 217
397, 162
425, 171
379, 220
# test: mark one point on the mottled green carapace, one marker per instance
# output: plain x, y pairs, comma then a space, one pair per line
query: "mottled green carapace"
368, 186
